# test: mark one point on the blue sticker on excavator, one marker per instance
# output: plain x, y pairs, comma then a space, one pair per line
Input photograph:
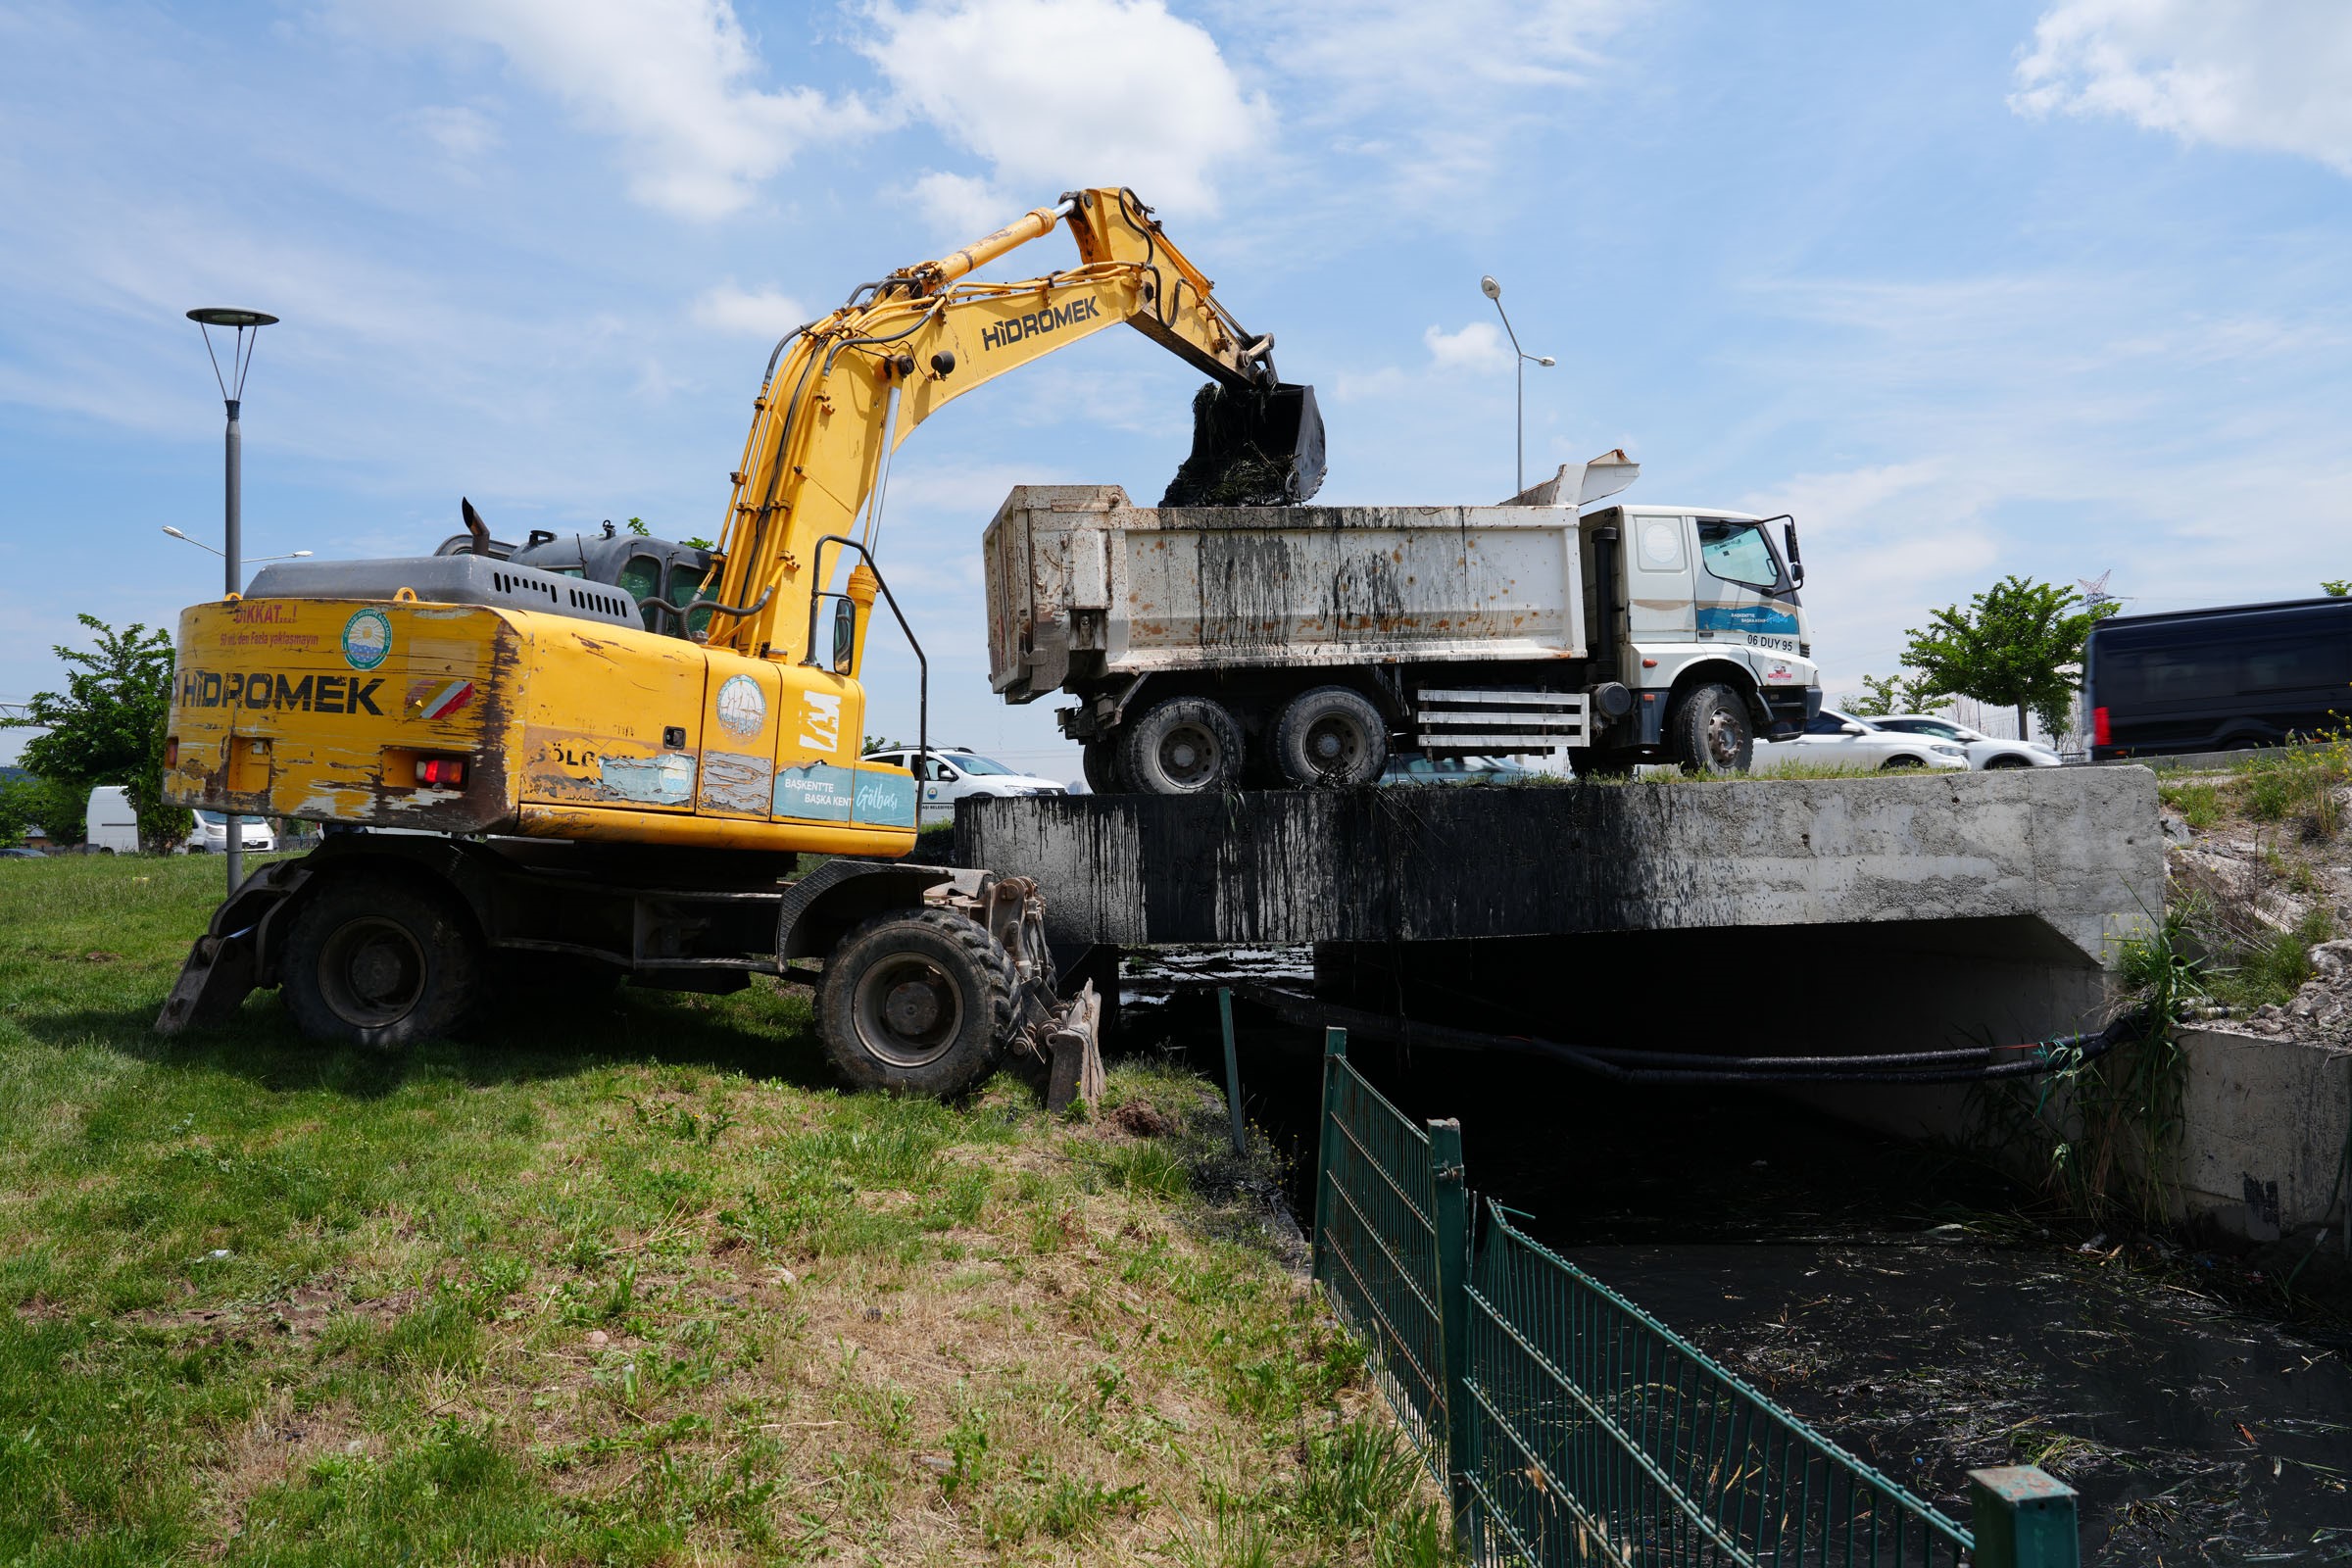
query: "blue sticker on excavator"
1768, 618
820, 792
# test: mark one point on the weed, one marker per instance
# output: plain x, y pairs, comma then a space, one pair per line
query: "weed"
2198, 804
1150, 1167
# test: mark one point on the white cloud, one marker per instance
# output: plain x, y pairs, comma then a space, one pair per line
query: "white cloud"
2269, 76
749, 312
964, 205
1052, 95
675, 79
1478, 347
462, 133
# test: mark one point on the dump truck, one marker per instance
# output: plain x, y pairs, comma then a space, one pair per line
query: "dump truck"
590, 759
1213, 648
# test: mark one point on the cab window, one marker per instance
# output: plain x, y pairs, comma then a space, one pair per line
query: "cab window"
641, 578
685, 587
1736, 551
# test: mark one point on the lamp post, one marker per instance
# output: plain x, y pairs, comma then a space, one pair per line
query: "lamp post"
1494, 291
232, 393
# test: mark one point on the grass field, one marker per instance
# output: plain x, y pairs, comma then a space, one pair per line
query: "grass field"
628, 1283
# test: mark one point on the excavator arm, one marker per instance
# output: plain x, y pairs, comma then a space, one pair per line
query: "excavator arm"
841, 393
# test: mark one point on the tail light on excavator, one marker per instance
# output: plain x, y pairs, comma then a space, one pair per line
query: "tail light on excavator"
441, 772
170, 751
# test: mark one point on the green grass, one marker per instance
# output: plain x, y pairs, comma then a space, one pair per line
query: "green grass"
629, 1285
2198, 804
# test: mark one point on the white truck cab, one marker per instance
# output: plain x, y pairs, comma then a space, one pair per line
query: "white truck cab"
1711, 597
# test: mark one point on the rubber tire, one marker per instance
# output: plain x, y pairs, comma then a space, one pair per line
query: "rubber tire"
957, 949
1145, 771
1349, 711
445, 947
1098, 762
1692, 725
2006, 761
1901, 764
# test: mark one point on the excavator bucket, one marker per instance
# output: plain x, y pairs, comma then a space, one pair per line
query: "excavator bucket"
1252, 446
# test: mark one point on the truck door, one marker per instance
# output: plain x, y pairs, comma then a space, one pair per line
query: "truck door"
1658, 600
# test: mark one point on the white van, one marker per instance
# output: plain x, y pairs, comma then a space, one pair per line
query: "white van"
211, 836
112, 826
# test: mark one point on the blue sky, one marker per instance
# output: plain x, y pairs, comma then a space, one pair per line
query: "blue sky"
2052, 289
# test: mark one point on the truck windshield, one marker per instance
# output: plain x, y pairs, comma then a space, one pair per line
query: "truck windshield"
1736, 551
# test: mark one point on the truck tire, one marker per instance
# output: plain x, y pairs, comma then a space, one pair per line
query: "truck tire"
376, 962
918, 1001
1331, 737
1710, 732
1185, 745
1098, 760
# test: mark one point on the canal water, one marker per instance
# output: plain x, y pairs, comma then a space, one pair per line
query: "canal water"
1915, 1307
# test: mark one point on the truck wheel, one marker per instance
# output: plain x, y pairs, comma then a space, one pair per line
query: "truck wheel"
1709, 731
916, 1001
1331, 736
1186, 745
1098, 760
373, 961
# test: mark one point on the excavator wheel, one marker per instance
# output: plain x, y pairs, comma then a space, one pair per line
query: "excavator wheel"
918, 1001
376, 961
1185, 745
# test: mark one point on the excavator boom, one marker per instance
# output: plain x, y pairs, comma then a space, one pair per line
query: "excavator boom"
841, 393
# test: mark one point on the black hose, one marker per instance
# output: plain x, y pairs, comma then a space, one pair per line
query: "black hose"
1624, 1067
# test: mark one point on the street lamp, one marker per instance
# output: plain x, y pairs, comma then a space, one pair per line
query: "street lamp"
1494, 291
292, 555
232, 393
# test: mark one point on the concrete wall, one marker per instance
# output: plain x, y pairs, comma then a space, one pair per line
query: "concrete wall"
2076, 850
2266, 1122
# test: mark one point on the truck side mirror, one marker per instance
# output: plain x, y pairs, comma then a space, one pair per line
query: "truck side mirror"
1796, 562
844, 635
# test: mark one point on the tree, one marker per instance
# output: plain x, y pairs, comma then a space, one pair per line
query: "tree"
2019, 644
1889, 694
107, 727
56, 810
2339, 588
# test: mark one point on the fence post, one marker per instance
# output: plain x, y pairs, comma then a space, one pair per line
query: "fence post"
1335, 1054
1232, 1071
2022, 1518
1454, 1320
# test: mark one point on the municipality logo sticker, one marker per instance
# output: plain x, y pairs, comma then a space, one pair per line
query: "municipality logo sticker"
742, 706
366, 639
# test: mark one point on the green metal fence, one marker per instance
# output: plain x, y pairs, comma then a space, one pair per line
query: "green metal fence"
1571, 1426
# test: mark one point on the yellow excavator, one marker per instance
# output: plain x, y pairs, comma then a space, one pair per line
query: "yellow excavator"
577, 760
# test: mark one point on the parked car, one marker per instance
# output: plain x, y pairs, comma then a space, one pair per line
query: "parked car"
1983, 751
112, 826
1833, 738
950, 773
212, 835
1412, 767
17, 852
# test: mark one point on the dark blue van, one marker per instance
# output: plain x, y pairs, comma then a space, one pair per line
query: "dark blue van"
2216, 680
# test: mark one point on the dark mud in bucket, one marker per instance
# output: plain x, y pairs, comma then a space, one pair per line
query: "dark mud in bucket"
1252, 446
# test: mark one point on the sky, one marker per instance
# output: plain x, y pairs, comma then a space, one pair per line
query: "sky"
2057, 289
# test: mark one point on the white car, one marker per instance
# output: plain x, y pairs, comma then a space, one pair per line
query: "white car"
211, 836
1983, 750
1839, 740
952, 772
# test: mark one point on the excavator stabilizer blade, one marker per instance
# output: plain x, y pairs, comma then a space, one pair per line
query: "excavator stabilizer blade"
1252, 446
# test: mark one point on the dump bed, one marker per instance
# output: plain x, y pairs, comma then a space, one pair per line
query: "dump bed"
1082, 582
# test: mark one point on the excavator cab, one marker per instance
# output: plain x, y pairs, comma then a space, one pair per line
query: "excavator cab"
665, 578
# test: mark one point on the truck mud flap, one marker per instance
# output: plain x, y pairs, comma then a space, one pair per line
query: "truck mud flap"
226, 964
